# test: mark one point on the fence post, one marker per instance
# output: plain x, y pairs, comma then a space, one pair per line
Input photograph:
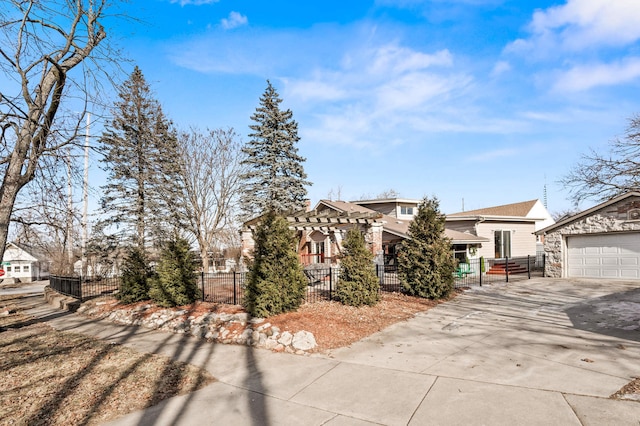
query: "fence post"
481, 267
506, 268
235, 301
330, 282
202, 284
544, 265
529, 266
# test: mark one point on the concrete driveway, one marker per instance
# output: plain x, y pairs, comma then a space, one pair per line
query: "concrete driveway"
534, 352
539, 351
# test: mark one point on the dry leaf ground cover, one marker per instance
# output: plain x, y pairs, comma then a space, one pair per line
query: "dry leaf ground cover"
58, 378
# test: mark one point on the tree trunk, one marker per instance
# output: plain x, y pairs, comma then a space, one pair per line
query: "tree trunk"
205, 258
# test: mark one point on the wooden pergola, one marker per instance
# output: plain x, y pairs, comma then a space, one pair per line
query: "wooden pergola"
330, 223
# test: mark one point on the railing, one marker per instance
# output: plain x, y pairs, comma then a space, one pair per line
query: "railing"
229, 287
478, 272
84, 288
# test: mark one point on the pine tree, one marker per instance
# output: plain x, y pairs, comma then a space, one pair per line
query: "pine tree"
136, 274
143, 164
425, 261
275, 282
176, 282
276, 179
358, 283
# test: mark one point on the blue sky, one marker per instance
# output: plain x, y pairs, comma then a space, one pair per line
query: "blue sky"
481, 100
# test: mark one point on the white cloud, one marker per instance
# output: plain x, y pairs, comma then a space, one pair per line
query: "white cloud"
396, 59
582, 25
374, 91
234, 20
500, 68
490, 156
314, 89
584, 77
390, 75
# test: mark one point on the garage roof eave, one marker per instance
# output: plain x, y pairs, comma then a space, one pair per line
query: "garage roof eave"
587, 212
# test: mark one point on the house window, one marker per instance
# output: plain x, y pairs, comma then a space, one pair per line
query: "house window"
460, 253
16, 268
8, 268
406, 210
25, 268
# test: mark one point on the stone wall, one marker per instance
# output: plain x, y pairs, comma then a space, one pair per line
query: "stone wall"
618, 217
228, 328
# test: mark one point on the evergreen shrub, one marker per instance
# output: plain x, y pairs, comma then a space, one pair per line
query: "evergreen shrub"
136, 274
358, 284
425, 260
176, 281
276, 282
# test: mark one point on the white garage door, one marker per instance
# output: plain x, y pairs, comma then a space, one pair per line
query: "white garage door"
604, 256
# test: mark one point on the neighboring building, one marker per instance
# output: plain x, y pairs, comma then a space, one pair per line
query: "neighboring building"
24, 263
510, 228
601, 242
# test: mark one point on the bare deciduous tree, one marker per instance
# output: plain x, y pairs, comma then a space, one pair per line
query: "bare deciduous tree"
42, 218
603, 176
212, 181
41, 43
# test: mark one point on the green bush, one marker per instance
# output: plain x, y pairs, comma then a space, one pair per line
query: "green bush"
176, 281
275, 281
425, 261
358, 284
136, 274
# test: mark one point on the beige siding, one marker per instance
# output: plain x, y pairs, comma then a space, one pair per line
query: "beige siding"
384, 208
523, 241
462, 226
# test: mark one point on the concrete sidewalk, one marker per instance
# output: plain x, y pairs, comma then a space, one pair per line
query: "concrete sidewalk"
541, 351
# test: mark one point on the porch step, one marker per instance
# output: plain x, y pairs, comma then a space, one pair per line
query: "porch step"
501, 269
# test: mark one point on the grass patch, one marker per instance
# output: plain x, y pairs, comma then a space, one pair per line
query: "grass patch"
49, 377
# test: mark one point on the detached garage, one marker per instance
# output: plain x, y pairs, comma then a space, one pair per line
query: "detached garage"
604, 256
601, 242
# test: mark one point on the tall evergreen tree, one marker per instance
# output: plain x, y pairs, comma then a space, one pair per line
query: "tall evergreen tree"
276, 281
276, 179
143, 164
358, 283
425, 260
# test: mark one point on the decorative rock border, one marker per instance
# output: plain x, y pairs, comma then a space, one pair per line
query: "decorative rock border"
218, 327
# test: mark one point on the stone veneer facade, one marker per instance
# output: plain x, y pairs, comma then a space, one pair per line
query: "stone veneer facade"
622, 216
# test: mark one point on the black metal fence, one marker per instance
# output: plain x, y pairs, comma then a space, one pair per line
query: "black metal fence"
229, 287
478, 272
84, 288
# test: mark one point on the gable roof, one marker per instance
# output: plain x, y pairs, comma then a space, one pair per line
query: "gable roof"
345, 207
28, 250
388, 201
397, 226
521, 209
587, 212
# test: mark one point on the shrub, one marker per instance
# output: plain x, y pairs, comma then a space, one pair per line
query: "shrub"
135, 277
425, 261
358, 283
176, 281
275, 281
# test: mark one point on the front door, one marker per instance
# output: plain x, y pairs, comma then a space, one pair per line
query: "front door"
502, 243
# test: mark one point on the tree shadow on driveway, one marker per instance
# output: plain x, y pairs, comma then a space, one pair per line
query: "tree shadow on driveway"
616, 315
